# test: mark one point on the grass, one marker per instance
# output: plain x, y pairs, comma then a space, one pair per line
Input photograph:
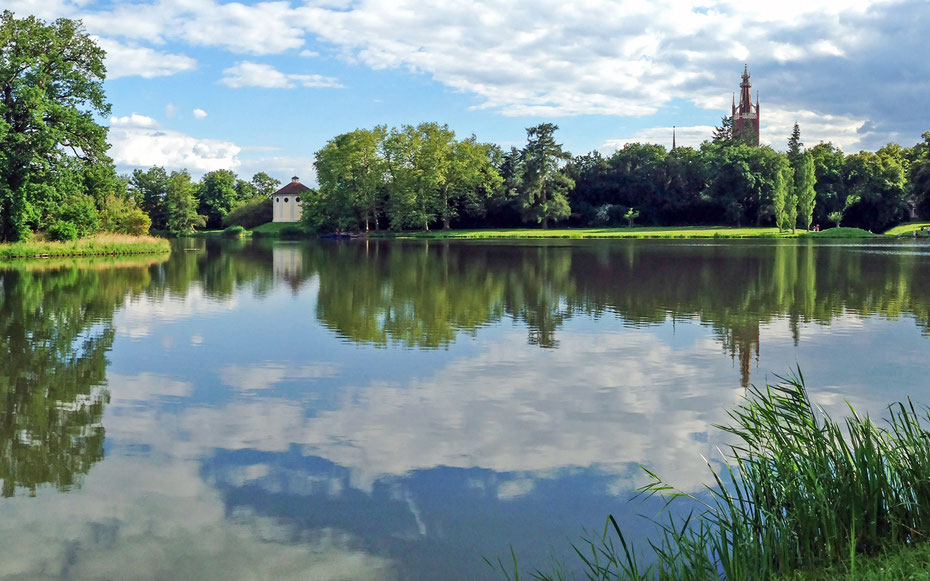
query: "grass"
635, 232
272, 228
907, 228
801, 495
98, 245
902, 564
839, 233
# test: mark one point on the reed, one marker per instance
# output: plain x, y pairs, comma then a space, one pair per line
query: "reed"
800, 493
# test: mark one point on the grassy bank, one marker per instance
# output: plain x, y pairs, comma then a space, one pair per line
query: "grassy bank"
635, 232
98, 245
802, 497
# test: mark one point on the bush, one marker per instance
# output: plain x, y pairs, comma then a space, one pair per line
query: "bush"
292, 232
62, 231
234, 232
250, 214
81, 212
123, 217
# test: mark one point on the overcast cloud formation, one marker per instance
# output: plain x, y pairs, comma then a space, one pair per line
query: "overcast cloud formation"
854, 72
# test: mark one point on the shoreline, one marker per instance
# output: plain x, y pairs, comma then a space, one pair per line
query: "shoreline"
667, 232
101, 245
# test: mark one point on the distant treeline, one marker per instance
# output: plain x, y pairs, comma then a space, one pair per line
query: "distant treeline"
422, 177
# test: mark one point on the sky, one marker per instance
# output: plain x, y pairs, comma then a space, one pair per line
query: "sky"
261, 86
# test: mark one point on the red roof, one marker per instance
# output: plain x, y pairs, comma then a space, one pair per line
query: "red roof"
292, 189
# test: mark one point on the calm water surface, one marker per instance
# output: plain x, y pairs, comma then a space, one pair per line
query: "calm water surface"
400, 410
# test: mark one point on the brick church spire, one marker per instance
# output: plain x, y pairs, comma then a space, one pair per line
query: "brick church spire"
746, 115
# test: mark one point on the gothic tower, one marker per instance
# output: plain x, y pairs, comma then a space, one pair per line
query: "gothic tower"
746, 115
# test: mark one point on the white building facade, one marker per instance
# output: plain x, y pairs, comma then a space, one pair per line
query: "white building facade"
287, 203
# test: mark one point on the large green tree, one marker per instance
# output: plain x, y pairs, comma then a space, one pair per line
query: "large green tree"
545, 186
149, 188
804, 180
51, 91
350, 171
218, 195
181, 204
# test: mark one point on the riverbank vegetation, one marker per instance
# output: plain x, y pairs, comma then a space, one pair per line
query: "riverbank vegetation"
801, 494
103, 244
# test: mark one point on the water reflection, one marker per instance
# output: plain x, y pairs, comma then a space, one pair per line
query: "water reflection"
381, 410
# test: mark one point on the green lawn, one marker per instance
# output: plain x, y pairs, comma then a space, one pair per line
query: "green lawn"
274, 227
635, 232
907, 228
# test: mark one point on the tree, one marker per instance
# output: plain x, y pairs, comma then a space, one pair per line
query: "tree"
830, 187
781, 197
264, 185
149, 188
181, 204
723, 134
51, 91
544, 187
630, 216
217, 194
876, 185
794, 146
836, 218
470, 181
804, 180
350, 171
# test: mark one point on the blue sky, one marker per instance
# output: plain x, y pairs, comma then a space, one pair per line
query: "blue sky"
260, 86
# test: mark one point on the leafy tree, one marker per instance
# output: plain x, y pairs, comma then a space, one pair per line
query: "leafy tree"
264, 184
181, 205
830, 187
217, 195
123, 217
876, 185
471, 179
544, 187
836, 218
149, 189
780, 199
51, 89
630, 216
804, 180
350, 171
919, 175
245, 191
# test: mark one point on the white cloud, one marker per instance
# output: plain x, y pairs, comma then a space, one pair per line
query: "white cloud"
170, 110
691, 136
133, 60
267, 375
148, 146
134, 120
249, 74
200, 114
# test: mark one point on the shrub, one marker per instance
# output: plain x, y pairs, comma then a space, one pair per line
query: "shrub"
62, 231
80, 211
123, 217
250, 214
292, 232
234, 232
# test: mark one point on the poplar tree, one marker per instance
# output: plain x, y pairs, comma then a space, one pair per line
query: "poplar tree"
804, 180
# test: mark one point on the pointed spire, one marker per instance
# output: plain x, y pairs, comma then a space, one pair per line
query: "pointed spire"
673, 137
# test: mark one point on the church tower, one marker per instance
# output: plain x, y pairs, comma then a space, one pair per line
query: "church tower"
746, 115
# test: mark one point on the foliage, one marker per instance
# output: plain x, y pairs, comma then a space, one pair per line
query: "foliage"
836, 217
804, 180
235, 231
630, 216
350, 171
875, 184
122, 216
52, 91
217, 195
80, 211
292, 231
250, 214
181, 205
150, 190
544, 190
60, 230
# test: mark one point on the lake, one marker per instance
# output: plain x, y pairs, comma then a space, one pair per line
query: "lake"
404, 409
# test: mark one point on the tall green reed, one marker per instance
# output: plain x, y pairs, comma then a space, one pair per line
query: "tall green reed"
798, 491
